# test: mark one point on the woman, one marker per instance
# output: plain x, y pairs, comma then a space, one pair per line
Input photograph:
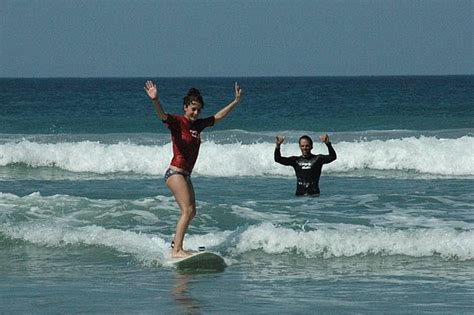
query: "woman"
185, 135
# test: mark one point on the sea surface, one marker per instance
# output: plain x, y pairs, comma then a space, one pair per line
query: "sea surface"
86, 219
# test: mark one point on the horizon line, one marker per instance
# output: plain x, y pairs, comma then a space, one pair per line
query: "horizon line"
240, 76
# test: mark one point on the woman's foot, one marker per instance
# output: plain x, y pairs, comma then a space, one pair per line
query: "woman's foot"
181, 253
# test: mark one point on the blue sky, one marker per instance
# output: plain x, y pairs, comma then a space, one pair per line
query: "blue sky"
144, 38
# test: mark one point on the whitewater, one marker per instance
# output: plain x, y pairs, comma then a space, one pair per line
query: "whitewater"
418, 155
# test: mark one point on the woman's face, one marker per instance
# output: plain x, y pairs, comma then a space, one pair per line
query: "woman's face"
192, 110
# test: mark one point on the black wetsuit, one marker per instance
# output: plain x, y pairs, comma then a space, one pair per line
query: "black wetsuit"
308, 170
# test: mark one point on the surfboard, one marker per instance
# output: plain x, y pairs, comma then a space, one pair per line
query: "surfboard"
200, 261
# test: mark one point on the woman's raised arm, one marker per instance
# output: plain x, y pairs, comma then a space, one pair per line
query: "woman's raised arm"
227, 109
152, 92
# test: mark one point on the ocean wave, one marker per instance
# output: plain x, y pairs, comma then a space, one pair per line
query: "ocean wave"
143, 229
417, 155
331, 242
353, 240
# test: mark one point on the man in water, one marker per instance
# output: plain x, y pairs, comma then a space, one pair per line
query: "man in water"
307, 166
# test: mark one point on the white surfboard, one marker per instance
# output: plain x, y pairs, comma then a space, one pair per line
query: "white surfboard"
200, 261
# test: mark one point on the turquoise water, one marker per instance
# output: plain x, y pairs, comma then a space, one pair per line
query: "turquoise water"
86, 220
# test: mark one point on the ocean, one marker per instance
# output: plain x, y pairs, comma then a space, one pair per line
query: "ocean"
86, 219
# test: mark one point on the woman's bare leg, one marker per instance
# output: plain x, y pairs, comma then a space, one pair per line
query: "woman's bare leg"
183, 192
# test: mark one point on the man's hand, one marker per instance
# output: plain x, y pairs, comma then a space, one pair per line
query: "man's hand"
324, 138
279, 140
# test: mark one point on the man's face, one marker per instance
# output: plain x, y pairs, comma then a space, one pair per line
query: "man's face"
305, 147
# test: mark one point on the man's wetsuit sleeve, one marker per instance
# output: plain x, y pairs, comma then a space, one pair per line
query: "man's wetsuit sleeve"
282, 160
332, 154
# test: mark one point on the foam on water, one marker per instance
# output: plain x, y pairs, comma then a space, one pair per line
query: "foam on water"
332, 241
144, 247
87, 156
344, 240
134, 227
419, 155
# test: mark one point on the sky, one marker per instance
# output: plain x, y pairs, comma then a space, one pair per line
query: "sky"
235, 38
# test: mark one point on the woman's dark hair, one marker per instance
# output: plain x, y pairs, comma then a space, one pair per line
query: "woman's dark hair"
307, 138
193, 96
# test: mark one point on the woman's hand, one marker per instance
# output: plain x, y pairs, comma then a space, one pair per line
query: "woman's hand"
226, 110
238, 92
151, 90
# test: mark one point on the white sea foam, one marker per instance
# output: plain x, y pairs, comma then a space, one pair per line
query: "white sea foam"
331, 241
420, 155
148, 248
351, 240
427, 155
141, 228
87, 156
